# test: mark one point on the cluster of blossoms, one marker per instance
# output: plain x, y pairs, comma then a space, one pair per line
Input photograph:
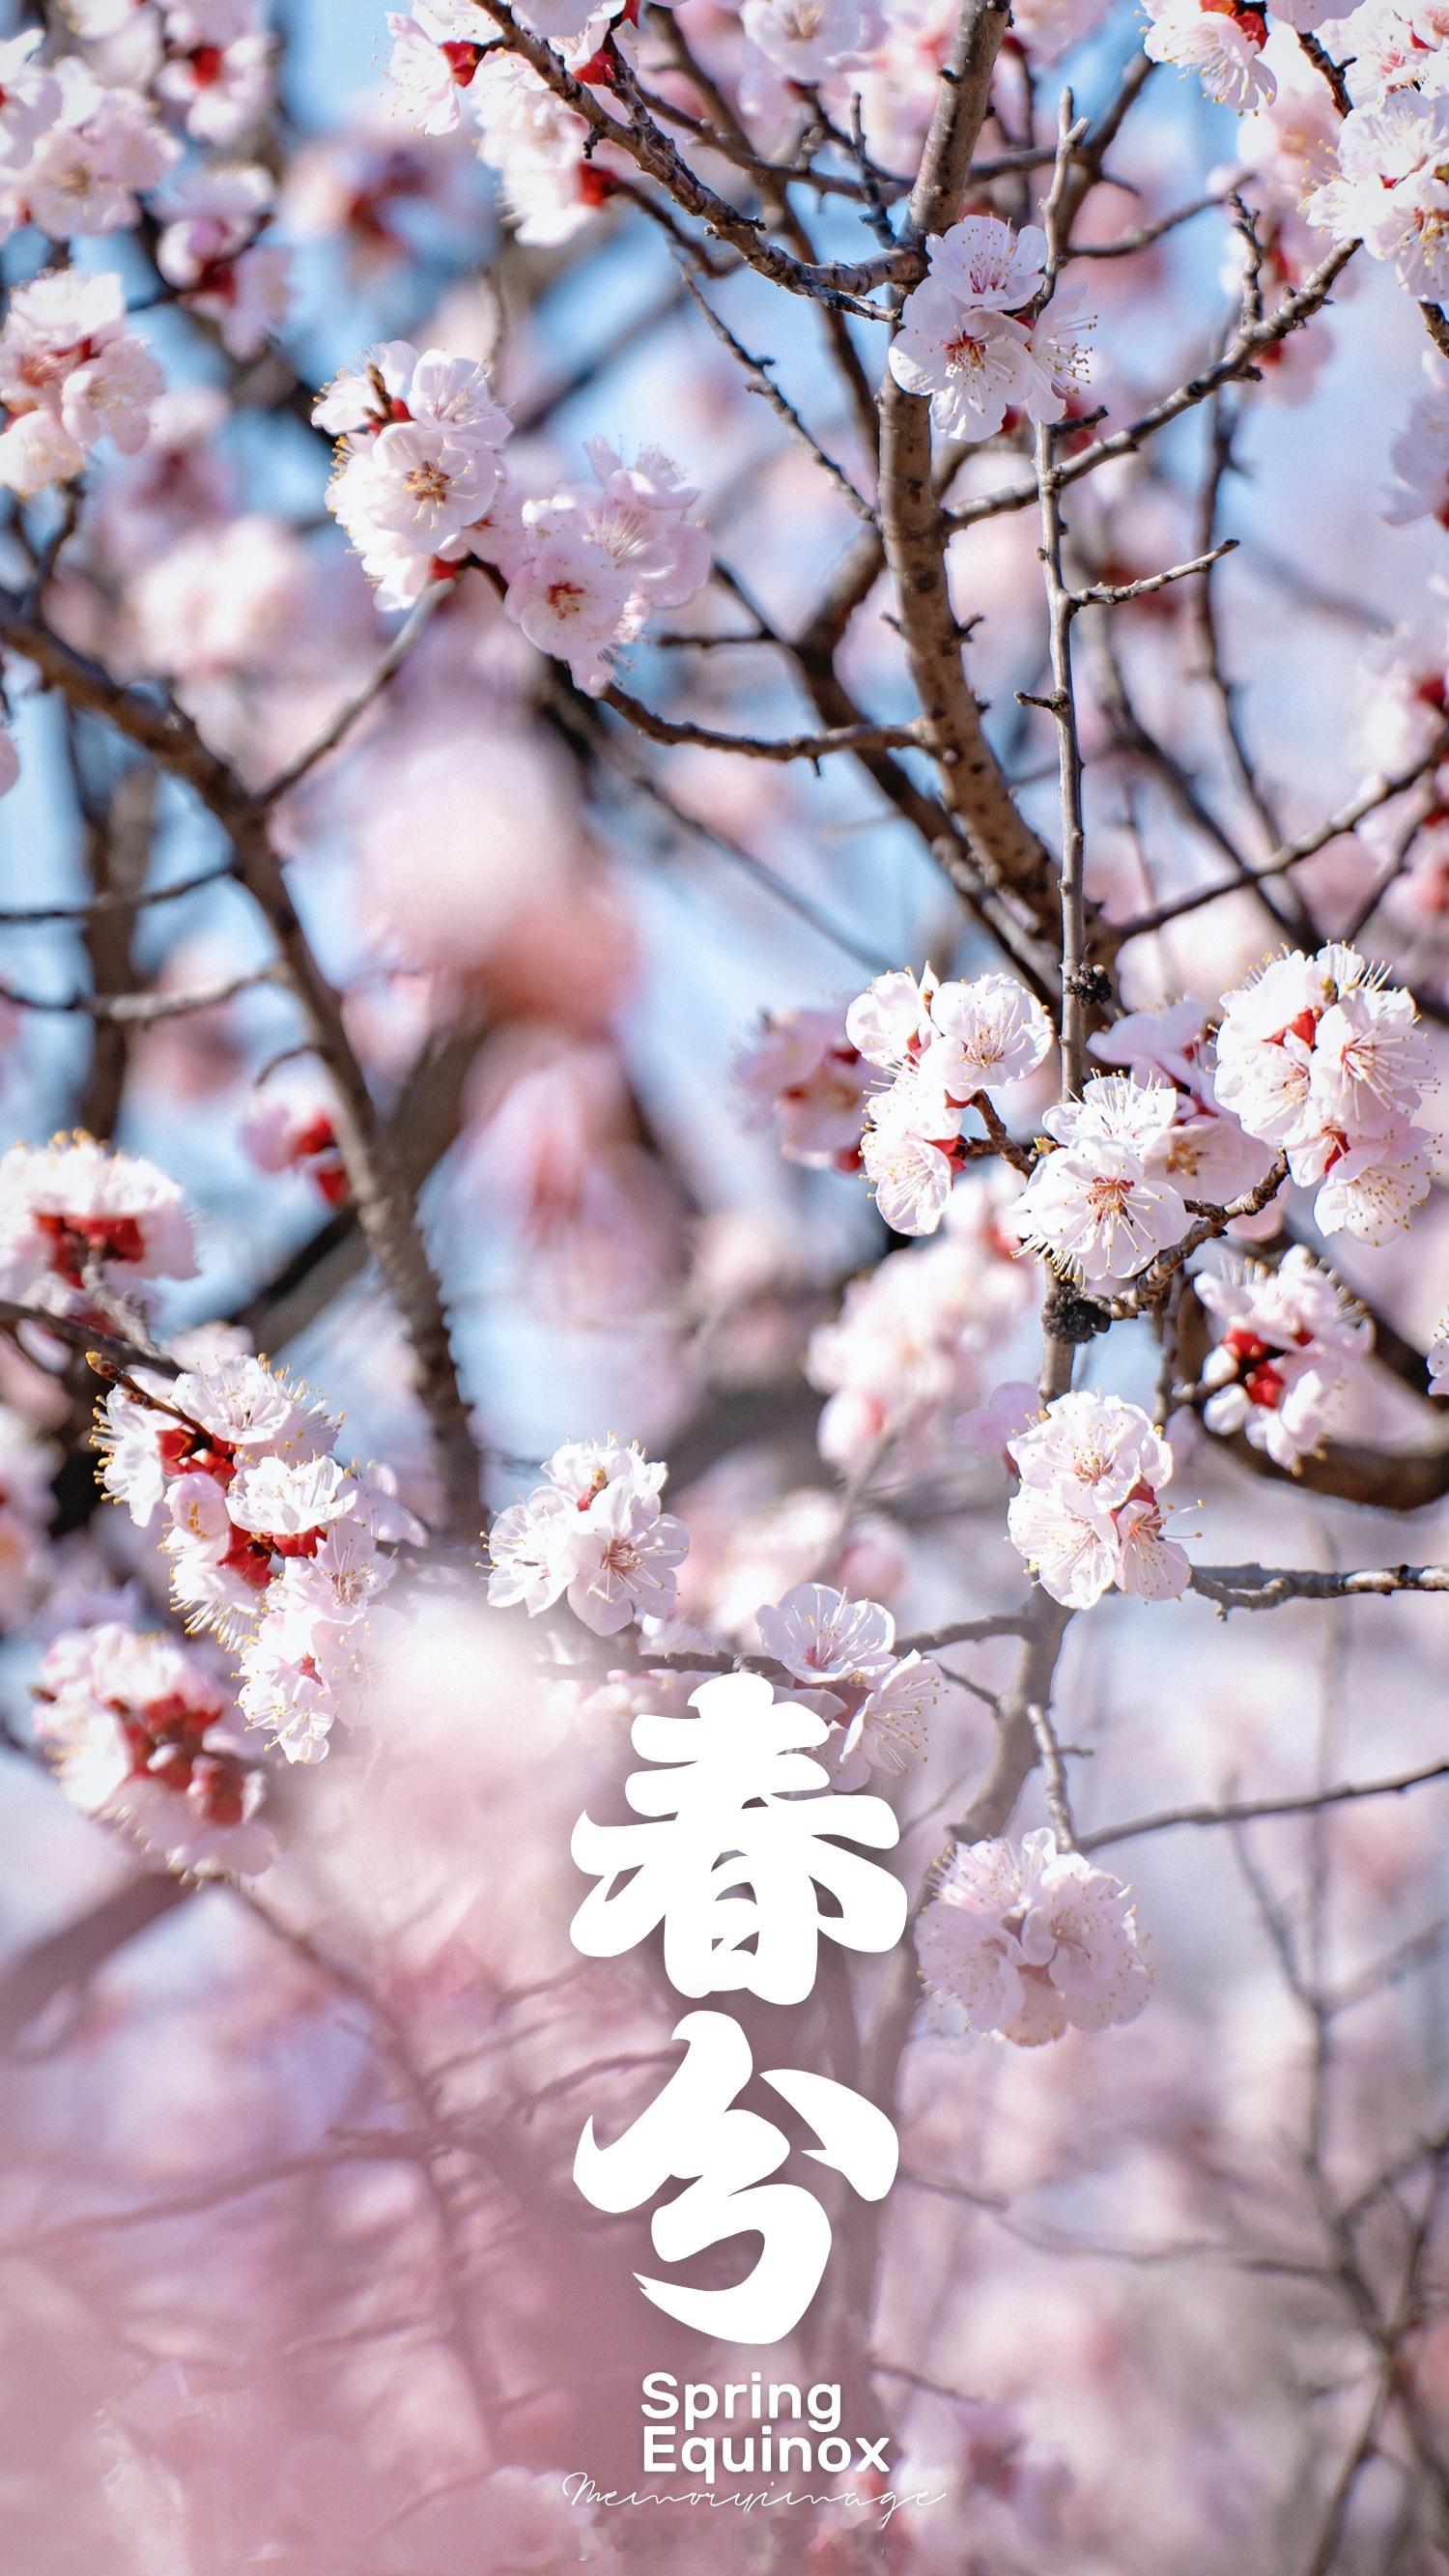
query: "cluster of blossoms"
594, 1533
945, 1047
801, 1074
209, 251
585, 566
70, 375
915, 1337
76, 153
442, 65
973, 338
274, 1545
421, 487
1025, 1939
141, 1733
1087, 1513
1138, 1148
1391, 192
208, 61
84, 1229
1325, 1061
1102, 1206
846, 1652
418, 465
1290, 1343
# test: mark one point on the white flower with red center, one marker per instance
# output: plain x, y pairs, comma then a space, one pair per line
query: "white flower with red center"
1291, 1340
1319, 1055
969, 339
289, 1505
619, 1556
1220, 41
594, 1531
1370, 1062
1025, 1940
570, 598
1390, 193
910, 1151
76, 1216
138, 1730
1371, 1190
205, 1422
283, 1698
1087, 1513
209, 250
802, 1073
972, 363
217, 69
890, 1022
986, 1033
1100, 1208
428, 74
418, 465
821, 1636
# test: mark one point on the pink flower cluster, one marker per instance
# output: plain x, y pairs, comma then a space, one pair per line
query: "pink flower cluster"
273, 1544
418, 465
208, 61
70, 375
802, 1074
76, 153
945, 1047
846, 1651
594, 1533
1025, 1939
915, 1336
1391, 192
441, 64
421, 486
585, 566
80, 1222
972, 340
1103, 1206
1326, 1061
1291, 1340
141, 1733
1087, 1514
209, 250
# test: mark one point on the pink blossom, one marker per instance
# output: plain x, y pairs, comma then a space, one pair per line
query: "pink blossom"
1026, 1940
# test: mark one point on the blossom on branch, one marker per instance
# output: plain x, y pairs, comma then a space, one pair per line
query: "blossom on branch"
595, 1533
1087, 1514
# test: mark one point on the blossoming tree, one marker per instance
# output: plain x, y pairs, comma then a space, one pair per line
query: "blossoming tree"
726, 753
